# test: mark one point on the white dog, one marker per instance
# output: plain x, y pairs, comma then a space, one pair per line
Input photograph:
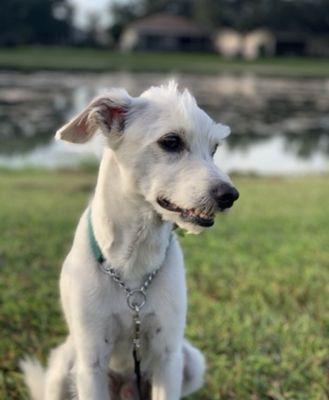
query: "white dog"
157, 171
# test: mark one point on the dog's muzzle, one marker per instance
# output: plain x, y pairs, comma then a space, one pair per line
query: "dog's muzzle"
223, 196
192, 215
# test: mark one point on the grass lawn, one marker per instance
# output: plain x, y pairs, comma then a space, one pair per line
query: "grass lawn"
258, 283
38, 58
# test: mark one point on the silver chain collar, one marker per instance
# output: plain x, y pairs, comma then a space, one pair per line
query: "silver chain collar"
136, 298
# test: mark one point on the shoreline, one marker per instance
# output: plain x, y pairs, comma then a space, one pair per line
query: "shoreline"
69, 59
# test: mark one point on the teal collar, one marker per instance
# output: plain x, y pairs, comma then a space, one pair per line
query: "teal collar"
93, 242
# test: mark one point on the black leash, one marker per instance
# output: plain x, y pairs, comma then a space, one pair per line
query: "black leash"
136, 349
138, 375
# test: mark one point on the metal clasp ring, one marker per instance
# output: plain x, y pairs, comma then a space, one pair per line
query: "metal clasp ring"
136, 299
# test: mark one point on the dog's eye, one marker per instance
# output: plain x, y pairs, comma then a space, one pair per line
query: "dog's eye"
171, 142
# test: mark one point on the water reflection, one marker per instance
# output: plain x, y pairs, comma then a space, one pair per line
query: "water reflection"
267, 115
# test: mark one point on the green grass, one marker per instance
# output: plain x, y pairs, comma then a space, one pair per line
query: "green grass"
258, 283
79, 59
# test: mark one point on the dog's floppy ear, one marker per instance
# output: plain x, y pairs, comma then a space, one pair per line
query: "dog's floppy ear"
106, 112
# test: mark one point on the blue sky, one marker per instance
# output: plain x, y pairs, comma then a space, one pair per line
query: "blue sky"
85, 7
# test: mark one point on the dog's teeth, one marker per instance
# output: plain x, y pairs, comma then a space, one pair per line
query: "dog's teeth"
197, 213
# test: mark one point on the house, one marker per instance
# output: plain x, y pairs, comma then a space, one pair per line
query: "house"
258, 43
228, 43
302, 44
250, 45
165, 32
291, 44
318, 46
265, 43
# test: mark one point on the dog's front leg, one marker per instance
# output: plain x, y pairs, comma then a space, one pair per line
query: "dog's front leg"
168, 376
93, 354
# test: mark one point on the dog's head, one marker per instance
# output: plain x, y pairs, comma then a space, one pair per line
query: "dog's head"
165, 144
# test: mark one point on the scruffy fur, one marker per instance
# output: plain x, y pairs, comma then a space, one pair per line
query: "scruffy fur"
133, 231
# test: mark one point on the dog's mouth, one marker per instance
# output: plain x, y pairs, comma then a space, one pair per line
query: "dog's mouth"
193, 215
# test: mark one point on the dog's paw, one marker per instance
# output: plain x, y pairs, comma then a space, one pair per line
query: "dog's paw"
128, 392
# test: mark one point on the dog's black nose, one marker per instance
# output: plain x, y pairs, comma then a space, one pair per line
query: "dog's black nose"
225, 195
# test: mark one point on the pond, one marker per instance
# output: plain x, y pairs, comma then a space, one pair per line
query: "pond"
279, 125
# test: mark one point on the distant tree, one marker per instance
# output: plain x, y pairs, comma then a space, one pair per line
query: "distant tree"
298, 15
91, 30
95, 34
122, 14
35, 22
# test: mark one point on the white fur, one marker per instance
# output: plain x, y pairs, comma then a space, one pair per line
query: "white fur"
34, 375
133, 232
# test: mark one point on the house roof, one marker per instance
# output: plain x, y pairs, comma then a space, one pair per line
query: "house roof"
169, 25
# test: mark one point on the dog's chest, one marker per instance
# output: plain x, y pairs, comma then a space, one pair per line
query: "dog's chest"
121, 333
